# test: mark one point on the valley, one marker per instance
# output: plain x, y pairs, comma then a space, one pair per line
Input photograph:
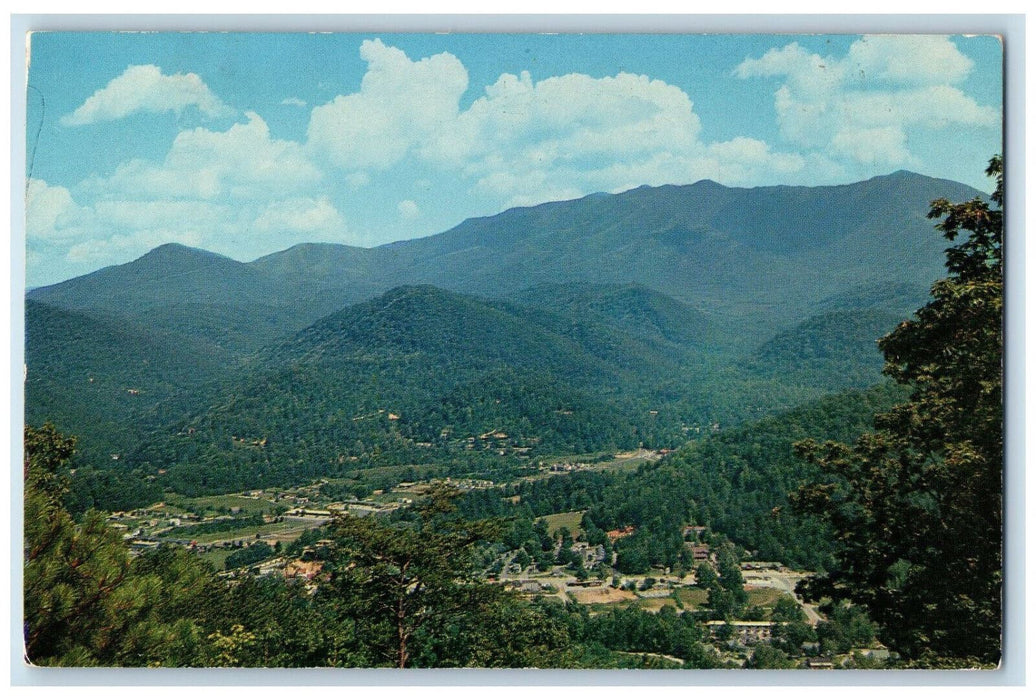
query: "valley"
593, 408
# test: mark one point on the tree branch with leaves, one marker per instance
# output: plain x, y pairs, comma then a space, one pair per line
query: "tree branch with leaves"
916, 505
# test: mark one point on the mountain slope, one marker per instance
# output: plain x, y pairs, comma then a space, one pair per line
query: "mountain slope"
756, 260
763, 255
103, 380
645, 317
414, 375
642, 312
207, 297
834, 351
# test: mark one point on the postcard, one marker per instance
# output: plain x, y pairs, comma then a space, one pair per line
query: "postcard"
514, 350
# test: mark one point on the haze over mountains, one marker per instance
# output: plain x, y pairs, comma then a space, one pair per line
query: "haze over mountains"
761, 252
604, 322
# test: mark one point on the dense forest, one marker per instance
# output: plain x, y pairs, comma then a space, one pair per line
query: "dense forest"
423, 376
735, 482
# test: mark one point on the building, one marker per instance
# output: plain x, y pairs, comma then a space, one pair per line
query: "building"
700, 552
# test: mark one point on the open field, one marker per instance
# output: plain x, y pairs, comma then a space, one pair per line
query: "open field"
216, 557
570, 519
655, 604
763, 597
601, 596
216, 505
692, 598
283, 531
628, 462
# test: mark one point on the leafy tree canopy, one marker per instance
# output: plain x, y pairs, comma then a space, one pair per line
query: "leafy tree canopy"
916, 505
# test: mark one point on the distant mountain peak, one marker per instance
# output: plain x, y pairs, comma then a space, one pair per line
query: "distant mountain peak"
179, 251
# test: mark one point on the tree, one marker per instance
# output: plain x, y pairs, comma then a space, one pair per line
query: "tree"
916, 505
767, 656
705, 576
84, 603
72, 573
405, 583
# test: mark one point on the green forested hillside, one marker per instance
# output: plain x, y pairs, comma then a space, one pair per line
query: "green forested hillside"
647, 318
739, 480
422, 375
416, 375
735, 482
832, 351
103, 378
206, 297
647, 315
110, 382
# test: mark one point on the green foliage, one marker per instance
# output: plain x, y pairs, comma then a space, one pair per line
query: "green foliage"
400, 594
590, 360
847, 626
833, 351
249, 555
766, 656
241, 380
916, 505
402, 584
735, 482
634, 630
84, 603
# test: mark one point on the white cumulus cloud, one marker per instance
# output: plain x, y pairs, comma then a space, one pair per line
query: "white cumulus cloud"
908, 60
243, 162
146, 89
408, 210
49, 209
863, 107
401, 103
569, 135
522, 141
303, 215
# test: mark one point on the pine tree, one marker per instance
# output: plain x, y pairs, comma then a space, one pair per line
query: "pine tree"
85, 604
74, 594
405, 585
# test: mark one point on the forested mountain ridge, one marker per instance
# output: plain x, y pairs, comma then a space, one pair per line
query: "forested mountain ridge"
607, 322
649, 315
421, 375
82, 370
416, 374
761, 257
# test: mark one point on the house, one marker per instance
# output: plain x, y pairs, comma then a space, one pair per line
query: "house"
526, 586
700, 552
589, 583
591, 554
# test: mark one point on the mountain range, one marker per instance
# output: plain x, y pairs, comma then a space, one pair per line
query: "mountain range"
605, 322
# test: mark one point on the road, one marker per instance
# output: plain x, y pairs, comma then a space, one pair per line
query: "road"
784, 581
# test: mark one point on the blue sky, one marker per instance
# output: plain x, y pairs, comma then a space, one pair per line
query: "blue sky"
245, 144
